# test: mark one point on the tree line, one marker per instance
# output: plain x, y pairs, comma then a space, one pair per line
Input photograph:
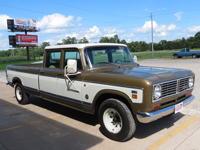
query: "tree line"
21, 52
139, 46
134, 46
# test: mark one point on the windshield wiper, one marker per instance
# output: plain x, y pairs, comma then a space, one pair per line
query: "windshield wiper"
104, 63
126, 61
109, 63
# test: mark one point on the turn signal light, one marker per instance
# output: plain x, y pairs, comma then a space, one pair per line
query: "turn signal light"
189, 94
134, 96
156, 106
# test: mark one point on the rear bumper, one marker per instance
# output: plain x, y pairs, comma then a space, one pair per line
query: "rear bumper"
145, 117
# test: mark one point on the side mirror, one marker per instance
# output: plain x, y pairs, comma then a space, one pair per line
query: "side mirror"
71, 66
135, 58
71, 69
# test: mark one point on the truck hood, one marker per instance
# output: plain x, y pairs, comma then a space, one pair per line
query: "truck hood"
153, 74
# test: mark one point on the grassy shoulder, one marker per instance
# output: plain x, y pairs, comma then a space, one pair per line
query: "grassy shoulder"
141, 56
3, 65
164, 51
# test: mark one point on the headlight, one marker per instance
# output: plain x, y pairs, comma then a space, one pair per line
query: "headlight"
191, 82
157, 92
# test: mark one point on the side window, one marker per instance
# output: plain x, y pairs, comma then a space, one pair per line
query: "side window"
183, 50
187, 50
73, 55
53, 59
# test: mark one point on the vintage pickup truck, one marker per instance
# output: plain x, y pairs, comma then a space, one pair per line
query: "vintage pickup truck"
186, 52
104, 79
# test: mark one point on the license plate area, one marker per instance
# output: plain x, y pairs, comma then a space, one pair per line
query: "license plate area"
178, 107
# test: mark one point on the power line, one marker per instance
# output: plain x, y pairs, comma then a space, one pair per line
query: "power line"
113, 22
24, 9
84, 9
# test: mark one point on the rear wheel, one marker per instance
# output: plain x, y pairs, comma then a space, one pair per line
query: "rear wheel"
194, 56
116, 120
21, 96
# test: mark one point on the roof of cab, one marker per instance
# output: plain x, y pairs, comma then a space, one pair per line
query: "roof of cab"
80, 46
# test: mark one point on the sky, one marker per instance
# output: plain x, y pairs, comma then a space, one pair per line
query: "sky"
129, 19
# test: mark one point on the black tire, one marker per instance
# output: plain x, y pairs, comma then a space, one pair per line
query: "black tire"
21, 97
121, 125
194, 56
176, 56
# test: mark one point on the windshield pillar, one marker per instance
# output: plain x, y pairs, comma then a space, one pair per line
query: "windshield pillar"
110, 59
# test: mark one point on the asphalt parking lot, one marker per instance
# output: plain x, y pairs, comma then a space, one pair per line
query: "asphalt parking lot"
46, 125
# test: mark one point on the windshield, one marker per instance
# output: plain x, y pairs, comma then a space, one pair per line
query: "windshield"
107, 55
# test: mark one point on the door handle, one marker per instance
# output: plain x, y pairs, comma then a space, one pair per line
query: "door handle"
41, 71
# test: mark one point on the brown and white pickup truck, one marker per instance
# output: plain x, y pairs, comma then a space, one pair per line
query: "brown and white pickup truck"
104, 79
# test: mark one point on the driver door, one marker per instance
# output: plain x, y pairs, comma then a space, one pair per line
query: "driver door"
70, 92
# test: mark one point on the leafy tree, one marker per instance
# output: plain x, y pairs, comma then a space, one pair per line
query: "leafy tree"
5, 53
197, 35
83, 40
104, 40
69, 40
44, 44
123, 41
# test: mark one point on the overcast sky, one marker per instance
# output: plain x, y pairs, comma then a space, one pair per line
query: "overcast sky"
93, 19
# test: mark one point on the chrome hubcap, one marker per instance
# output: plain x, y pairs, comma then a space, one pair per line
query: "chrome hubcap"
19, 93
112, 120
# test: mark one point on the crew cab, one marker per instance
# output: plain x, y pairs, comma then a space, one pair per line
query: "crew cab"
186, 52
104, 79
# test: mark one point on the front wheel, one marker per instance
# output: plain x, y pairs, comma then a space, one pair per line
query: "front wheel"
176, 56
116, 120
20, 95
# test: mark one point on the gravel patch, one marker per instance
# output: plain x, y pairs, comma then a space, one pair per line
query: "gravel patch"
193, 108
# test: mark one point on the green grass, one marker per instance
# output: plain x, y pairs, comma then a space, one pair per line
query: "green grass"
172, 50
3, 65
156, 55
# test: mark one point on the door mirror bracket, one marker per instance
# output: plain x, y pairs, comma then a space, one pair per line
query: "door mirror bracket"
71, 69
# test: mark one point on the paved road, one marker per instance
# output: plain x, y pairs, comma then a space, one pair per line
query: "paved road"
2, 76
45, 125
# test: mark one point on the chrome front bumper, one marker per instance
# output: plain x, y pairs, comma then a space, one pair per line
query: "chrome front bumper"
145, 117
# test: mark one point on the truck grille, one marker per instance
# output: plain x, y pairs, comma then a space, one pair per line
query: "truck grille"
183, 84
173, 87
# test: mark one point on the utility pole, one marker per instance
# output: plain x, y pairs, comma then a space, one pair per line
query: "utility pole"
12, 51
152, 32
27, 49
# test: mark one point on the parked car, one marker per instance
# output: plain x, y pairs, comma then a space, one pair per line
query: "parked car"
186, 52
104, 79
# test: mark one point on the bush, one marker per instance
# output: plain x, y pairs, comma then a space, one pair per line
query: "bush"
12, 59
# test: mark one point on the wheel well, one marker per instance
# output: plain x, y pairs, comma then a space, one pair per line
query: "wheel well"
106, 96
16, 80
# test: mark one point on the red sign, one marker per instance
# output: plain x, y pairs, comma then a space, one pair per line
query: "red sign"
22, 39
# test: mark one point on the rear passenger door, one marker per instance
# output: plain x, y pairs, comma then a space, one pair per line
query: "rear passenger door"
48, 74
